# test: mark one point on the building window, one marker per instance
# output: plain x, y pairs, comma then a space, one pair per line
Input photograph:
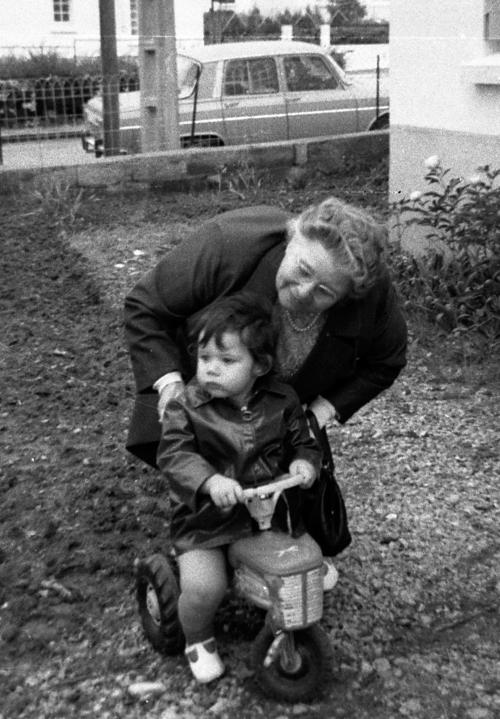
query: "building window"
134, 18
61, 10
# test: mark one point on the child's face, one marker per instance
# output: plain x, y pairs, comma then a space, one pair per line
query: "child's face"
228, 370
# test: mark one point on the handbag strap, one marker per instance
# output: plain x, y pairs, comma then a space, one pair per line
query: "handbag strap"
321, 437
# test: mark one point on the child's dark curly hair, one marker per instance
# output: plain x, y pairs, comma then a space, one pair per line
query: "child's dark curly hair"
245, 313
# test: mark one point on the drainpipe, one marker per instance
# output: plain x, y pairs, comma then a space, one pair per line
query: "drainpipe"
377, 102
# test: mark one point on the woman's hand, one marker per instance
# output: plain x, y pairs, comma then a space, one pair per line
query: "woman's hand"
323, 410
169, 391
305, 469
224, 491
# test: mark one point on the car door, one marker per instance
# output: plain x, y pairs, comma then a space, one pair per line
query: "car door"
253, 105
317, 101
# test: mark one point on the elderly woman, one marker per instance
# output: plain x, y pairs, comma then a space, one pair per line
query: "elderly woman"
342, 337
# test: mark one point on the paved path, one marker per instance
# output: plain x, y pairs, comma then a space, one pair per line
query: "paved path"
44, 153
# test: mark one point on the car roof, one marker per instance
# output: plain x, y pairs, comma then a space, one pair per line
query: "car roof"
255, 48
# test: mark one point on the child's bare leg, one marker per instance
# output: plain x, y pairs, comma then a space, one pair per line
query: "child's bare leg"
203, 579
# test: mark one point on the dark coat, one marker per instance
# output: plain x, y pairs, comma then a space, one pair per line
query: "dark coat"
202, 436
360, 351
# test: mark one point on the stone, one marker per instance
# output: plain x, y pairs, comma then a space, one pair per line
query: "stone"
382, 666
410, 708
171, 713
10, 631
478, 713
143, 690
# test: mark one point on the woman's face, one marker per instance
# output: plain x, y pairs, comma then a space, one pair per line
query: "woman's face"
307, 280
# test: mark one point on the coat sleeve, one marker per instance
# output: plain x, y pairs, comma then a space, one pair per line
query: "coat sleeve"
178, 457
298, 439
217, 259
380, 358
158, 305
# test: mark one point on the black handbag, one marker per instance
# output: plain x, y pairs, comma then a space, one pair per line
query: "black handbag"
323, 508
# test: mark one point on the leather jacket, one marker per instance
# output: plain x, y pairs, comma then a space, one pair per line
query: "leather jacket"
202, 436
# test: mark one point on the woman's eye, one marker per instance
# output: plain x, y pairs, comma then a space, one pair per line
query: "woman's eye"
228, 360
304, 271
326, 292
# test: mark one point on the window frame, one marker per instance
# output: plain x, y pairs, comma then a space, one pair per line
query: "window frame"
61, 11
134, 17
248, 77
303, 59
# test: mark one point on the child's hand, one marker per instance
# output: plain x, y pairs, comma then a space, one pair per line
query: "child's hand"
305, 469
224, 491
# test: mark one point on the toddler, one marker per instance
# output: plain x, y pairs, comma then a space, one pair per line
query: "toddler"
236, 426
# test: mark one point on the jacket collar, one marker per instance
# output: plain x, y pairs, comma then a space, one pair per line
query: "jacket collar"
267, 384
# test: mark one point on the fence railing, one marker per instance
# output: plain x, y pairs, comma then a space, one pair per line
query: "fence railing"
47, 102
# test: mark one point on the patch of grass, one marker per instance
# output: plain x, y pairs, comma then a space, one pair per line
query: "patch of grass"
58, 200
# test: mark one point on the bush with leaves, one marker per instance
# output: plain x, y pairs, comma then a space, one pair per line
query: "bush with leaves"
49, 63
455, 280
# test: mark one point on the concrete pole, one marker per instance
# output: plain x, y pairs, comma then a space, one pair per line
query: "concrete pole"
110, 78
158, 76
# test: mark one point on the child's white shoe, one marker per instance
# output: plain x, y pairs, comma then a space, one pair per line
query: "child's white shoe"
330, 574
204, 661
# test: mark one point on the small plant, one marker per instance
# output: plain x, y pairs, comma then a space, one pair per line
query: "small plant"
241, 179
455, 280
59, 200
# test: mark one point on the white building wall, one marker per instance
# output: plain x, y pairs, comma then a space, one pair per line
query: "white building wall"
24, 23
436, 107
29, 25
430, 41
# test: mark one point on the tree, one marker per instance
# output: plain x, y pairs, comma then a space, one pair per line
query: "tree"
253, 21
288, 18
345, 12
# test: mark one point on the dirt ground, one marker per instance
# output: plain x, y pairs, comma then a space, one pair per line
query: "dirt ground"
414, 619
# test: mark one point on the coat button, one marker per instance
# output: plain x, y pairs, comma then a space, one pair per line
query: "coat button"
246, 414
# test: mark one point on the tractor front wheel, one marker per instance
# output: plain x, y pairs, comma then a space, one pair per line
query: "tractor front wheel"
157, 593
299, 672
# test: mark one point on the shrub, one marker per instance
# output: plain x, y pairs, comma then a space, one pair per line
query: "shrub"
455, 281
45, 64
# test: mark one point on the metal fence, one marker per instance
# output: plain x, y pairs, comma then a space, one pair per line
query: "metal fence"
50, 101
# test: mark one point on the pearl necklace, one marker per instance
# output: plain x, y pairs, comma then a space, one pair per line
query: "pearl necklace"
307, 327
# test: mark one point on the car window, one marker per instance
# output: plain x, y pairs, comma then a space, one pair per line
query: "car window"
308, 72
251, 77
263, 75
